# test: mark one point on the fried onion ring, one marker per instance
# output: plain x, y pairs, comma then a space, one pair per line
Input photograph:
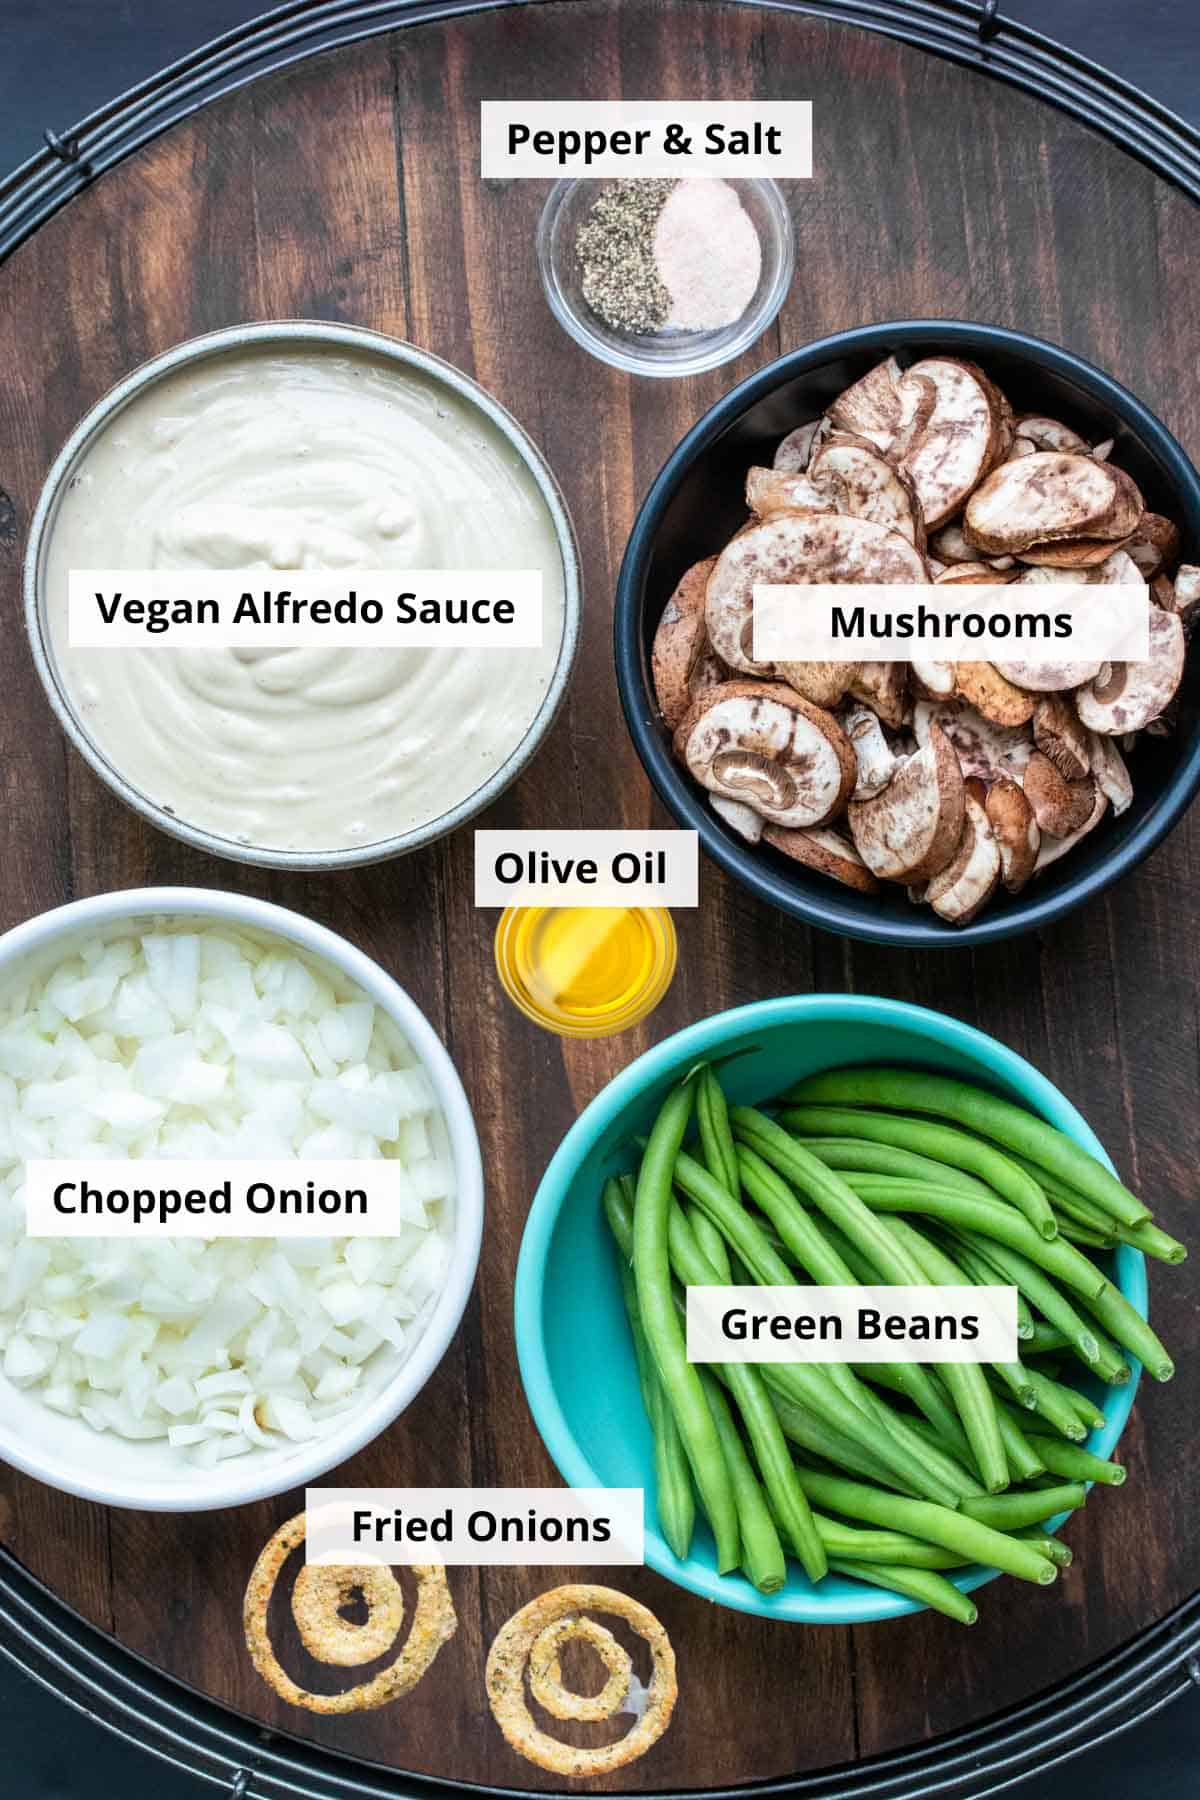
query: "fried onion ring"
318, 1594
545, 1671
533, 1636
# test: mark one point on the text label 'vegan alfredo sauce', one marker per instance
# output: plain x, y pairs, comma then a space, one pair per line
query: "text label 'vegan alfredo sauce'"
304, 459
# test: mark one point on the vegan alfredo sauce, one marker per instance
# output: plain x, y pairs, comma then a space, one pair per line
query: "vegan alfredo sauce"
308, 459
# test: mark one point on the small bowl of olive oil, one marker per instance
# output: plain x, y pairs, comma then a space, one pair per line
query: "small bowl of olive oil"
586, 971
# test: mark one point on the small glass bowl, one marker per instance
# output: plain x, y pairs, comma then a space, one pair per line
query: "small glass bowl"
672, 352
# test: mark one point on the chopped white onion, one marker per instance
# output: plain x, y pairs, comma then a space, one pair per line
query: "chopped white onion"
204, 1043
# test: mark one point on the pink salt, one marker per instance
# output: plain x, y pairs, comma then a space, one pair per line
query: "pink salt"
708, 255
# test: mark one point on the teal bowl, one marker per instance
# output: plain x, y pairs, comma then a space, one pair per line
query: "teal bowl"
573, 1342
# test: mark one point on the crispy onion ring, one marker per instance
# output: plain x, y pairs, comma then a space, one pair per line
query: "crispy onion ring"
318, 1594
545, 1671
534, 1636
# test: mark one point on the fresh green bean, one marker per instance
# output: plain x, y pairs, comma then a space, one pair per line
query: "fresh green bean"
1050, 1403
1045, 1339
1023, 1452
867, 1157
940, 1144
1123, 1320
911, 1090
1145, 1237
1152, 1242
994, 1220
1014, 1511
1088, 1239
802, 1426
1012, 1375
853, 1544
982, 1272
763, 1560
966, 1381
681, 1381
674, 1502
811, 1243
745, 1383
1053, 1547
917, 1584
1084, 1409
1096, 1352
932, 1524
1074, 1463
716, 1139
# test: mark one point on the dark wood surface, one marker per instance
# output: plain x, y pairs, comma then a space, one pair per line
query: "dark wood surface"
348, 189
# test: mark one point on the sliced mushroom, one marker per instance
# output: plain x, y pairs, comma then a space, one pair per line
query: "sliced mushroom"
983, 749
763, 745
1053, 848
797, 548
871, 407
970, 879
935, 679
883, 686
1020, 446
680, 645
1049, 498
739, 817
1050, 434
824, 683
950, 546
911, 831
966, 432
870, 486
1059, 735
1102, 451
874, 755
1185, 594
795, 449
983, 687
972, 574
1086, 553
779, 490
1059, 806
827, 852
1154, 546
1111, 775
1017, 832
1136, 693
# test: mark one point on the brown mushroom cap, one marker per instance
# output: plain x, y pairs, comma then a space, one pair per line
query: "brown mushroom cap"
1048, 498
973, 574
1058, 734
1128, 696
1111, 775
911, 830
1052, 848
1154, 546
984, 750
934, 679
680, 643
868, 485
797, 549
763, 745
827, 852
1017, 832
883, 686
871, 407
960, 890
1060, 807
983, 686
967, 430
824, 683
1050, 434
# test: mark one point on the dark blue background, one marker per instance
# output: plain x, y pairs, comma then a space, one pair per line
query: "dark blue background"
58, 60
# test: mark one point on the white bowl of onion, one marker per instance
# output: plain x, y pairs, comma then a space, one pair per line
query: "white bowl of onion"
190, 1373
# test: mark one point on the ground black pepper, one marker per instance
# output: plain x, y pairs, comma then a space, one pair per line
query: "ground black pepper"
615, 246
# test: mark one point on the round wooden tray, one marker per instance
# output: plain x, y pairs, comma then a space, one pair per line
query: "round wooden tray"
346, 187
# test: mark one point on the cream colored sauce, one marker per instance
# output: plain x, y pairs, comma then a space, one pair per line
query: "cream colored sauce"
304, 459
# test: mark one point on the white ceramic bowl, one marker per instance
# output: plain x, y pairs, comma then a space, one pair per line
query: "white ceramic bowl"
69, 1454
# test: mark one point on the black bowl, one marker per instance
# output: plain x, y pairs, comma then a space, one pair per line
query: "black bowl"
696, 505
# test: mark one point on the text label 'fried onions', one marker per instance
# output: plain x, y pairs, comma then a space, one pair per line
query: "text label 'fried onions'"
330, 1638
535, 1635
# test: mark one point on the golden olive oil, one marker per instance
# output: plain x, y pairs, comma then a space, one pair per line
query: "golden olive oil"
586, 971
